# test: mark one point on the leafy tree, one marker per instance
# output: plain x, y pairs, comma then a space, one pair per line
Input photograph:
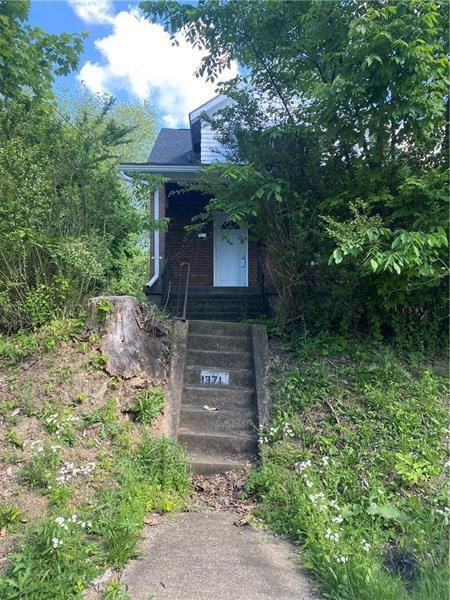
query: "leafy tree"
68, 224
138, 118
65, 217
30, 57
340, 116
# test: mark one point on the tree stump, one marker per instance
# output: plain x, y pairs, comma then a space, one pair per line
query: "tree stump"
131, 351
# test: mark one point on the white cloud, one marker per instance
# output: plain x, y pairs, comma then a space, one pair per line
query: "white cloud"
93, 11
140, 58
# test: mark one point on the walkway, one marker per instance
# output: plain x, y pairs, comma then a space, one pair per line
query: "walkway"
205, 556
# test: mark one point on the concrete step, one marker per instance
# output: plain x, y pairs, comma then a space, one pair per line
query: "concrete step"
223, 317
230, 343
219, 300
218, 444
219, 328
222, 398
237, 377
220, 359
203, 464
218, 421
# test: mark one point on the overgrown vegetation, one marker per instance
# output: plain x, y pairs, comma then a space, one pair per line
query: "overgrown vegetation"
337, 150
69, 225
96, 471
353, 467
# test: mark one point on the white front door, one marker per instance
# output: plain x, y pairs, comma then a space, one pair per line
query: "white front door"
230, 252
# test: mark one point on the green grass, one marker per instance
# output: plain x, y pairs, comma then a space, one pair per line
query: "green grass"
60, 555
352, 469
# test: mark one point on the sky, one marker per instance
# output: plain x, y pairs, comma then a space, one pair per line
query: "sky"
129, 57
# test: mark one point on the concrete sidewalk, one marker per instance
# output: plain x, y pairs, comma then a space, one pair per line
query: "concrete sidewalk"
203, 555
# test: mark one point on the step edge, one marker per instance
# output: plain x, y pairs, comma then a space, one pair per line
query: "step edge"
230, 352
232, 369
229, 388
212, 335
213, 434
195, 408
217, 459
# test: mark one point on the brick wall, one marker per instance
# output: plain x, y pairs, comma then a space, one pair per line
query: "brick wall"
183, 247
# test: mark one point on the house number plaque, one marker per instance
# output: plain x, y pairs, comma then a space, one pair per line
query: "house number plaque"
215, 377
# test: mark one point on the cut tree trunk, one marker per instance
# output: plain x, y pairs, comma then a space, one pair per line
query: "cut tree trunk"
131, 351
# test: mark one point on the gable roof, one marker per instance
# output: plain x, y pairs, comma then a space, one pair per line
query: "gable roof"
209, 108
173, 147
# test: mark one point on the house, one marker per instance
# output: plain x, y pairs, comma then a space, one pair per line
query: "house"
218, 273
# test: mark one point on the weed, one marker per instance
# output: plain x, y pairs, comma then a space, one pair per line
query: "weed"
40, 472
105, 416
53, 562
13, 438
11, 457
10, 515
80, 398
155, 478
61, 424
114, 383
165, 463
116, 591
98, 360
83, 347
147, 406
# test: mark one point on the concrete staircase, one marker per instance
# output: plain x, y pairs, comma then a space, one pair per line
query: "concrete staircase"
218, 303
225, 438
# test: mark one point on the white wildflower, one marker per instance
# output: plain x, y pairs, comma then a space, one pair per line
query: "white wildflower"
315, 497
308, 483
60, 521
56, 542
301, 466
342, 559
332, 535
337, 519
325, 460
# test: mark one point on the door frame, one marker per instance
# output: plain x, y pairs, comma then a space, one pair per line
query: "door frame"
215, 257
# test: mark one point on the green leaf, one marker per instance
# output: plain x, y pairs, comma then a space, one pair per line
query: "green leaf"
386, 511
338, 256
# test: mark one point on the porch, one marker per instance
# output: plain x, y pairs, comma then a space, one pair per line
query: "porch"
216, 273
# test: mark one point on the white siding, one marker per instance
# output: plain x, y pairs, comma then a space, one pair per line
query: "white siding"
210, 147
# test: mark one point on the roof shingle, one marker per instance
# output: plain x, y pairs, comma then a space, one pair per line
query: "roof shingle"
173, 147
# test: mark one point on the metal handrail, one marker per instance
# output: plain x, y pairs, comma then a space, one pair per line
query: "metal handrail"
186, 289
261, 282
